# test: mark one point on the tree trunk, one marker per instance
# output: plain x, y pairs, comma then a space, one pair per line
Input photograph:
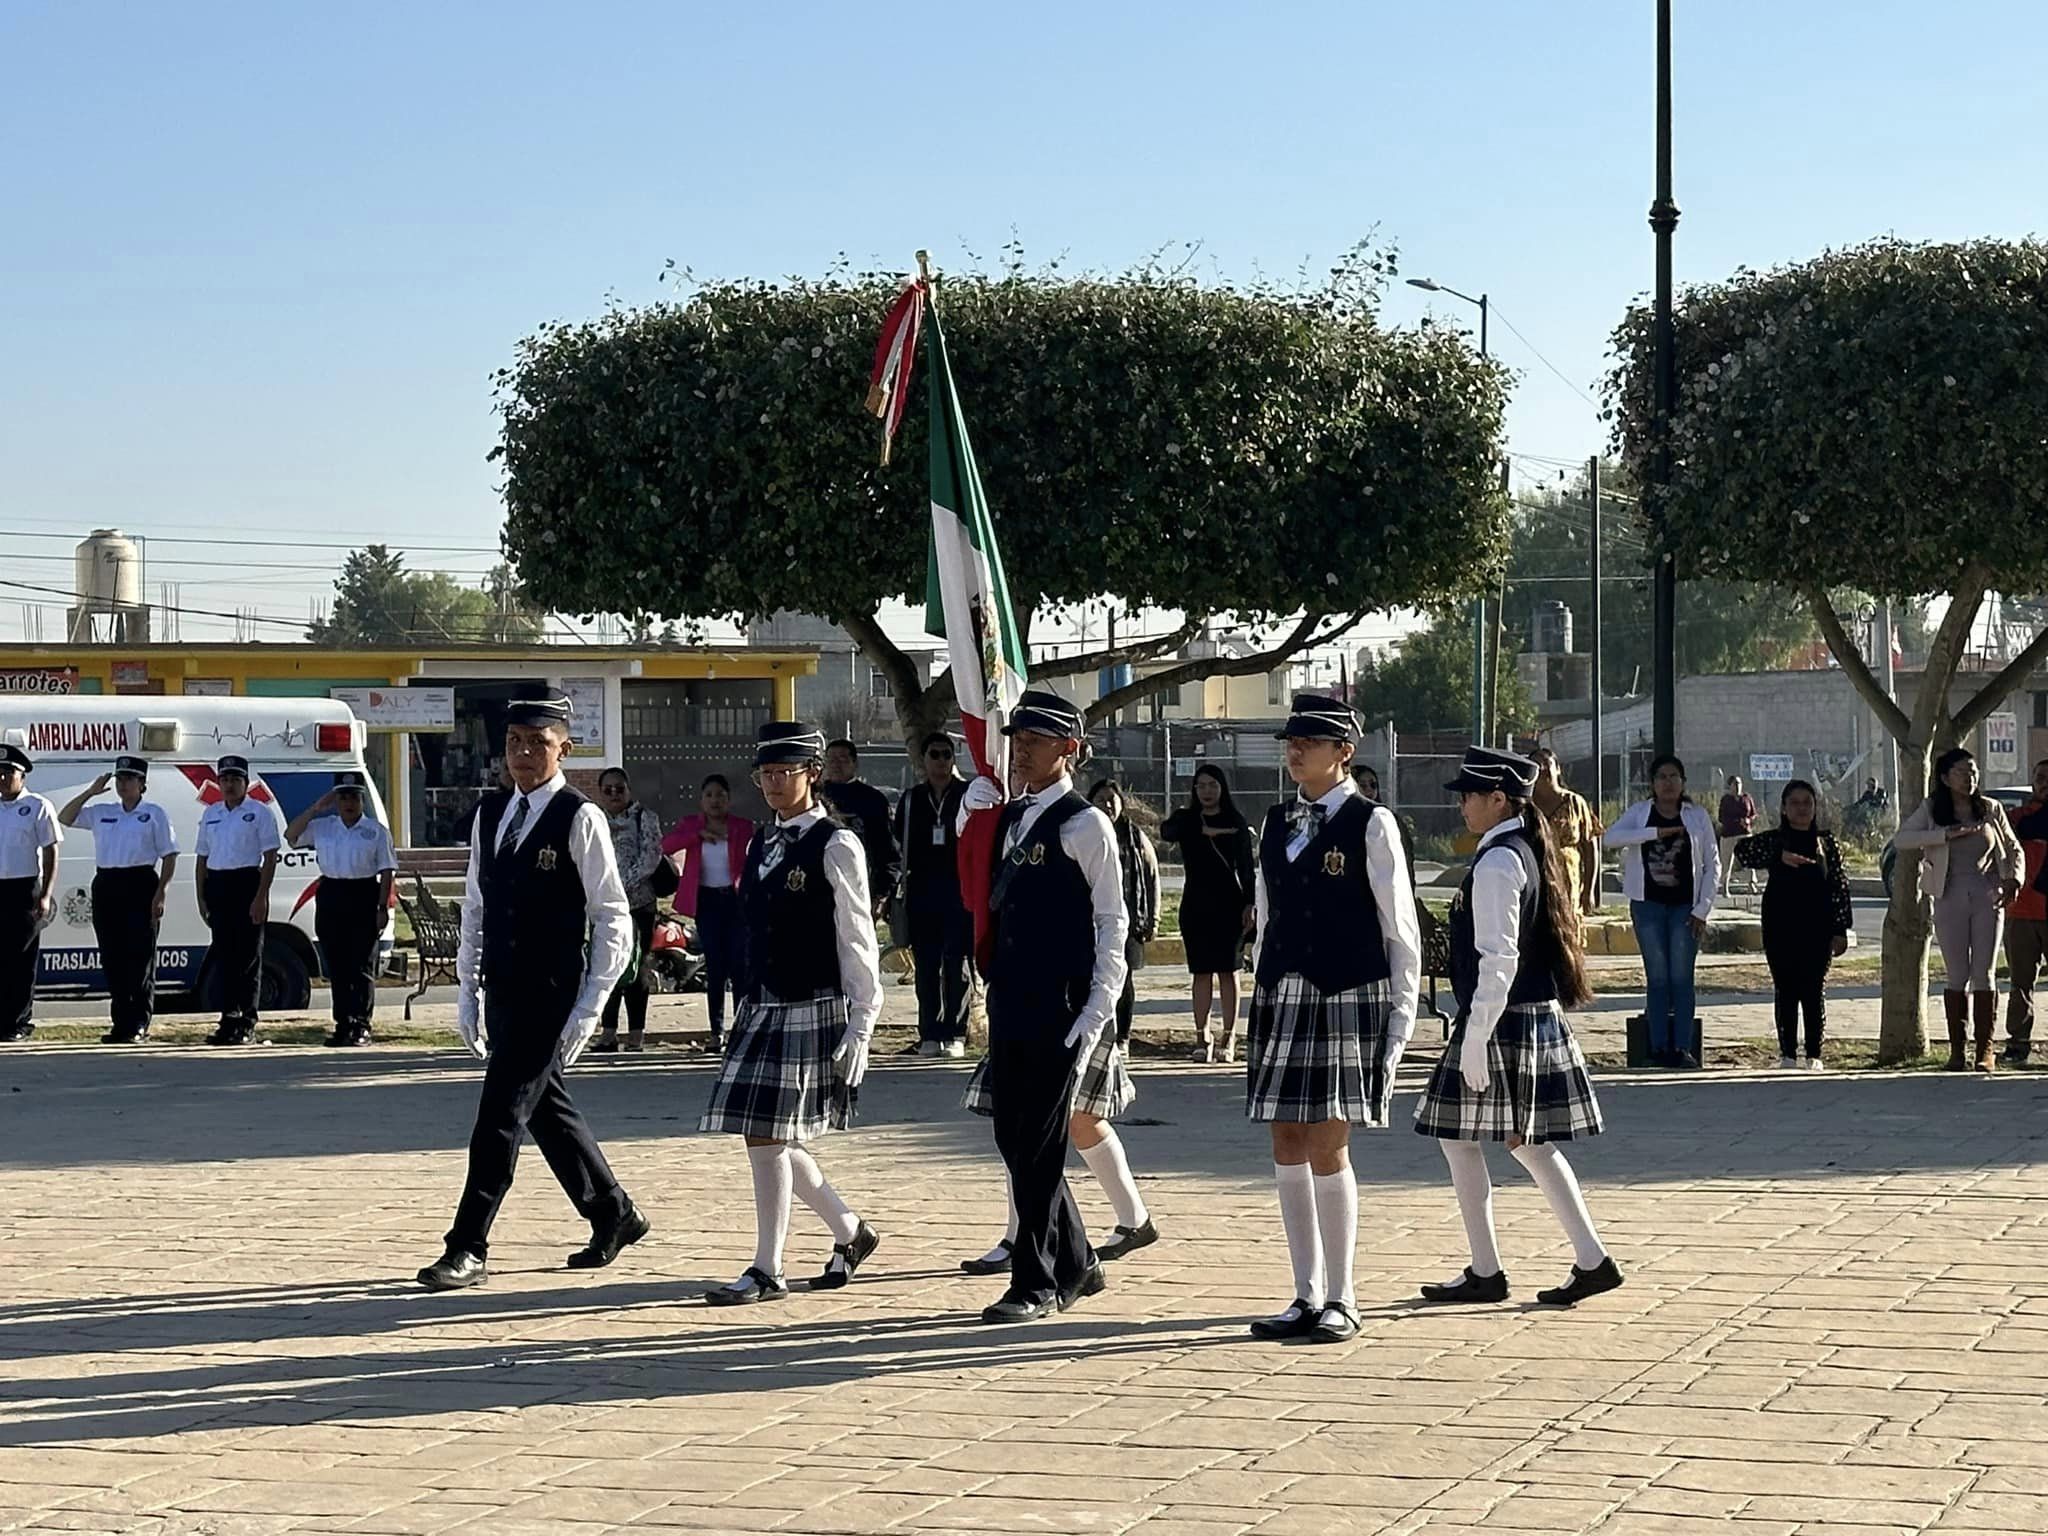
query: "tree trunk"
1902, 1011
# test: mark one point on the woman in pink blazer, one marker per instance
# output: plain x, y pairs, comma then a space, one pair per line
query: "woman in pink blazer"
713, 848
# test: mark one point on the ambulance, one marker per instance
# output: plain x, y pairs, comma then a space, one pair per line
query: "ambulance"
294, 747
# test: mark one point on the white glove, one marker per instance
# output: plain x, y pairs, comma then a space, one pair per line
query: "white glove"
983, 794
1397, 1042
575, 1035
1086, 1032
852, 1056
469, 1022
1472, 1061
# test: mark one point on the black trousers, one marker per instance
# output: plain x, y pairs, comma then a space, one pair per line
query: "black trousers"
1030, 1079
237, 953
633, 993
941, 934
124, 920
524, 1091
718, 935
1798, 948
21, 950
348, 917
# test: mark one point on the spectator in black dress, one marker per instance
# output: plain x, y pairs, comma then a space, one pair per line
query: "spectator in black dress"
1806, 916
1216, 903
1141, 892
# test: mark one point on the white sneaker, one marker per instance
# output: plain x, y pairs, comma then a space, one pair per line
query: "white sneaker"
955, 1049
930, 1048
1815, 1064
1788, 1063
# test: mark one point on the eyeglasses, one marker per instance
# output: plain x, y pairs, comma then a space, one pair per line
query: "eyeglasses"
763, 777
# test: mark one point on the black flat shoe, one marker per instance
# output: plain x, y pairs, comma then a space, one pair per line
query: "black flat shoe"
605, 1045
988, 1266
1092, 1283
752, 1287
1127, 1240
1685, 1061
605, 1245
338, 1038
1014, 1308
1473, 1288
1336, 1324
852, 1254
1583, 1283
454, 1271
17, 1033
1296, 1322
122, 1036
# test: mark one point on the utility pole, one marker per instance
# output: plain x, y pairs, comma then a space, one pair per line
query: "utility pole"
1599, 747
1664, 577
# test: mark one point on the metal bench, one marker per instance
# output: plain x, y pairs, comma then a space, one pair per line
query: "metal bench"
436, 936
1436, 960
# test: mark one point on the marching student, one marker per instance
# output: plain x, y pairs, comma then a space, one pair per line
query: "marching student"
1338, 966
1511, 1070
352, 902
28, 889
810, 993
1057, 899
136, 853
545, 934
235, 858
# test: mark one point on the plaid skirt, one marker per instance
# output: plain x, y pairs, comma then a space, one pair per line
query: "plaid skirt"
1316, 1056
777, 1080
1102, 1086
1537, 1089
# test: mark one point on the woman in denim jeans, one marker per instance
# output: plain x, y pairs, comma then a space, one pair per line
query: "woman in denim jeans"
1670, 870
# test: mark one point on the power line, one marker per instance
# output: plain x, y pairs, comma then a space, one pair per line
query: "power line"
239, 543
1546, 362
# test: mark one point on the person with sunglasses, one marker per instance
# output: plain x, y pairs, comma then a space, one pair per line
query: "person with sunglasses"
941, 932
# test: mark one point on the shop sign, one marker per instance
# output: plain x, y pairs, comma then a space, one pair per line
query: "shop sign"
43, 680
400, 709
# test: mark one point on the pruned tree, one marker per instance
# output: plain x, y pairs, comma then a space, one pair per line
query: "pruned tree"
1869, 419
1269, 457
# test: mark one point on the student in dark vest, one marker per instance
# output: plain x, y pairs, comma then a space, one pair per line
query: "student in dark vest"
136, 853
1338, 967
234, 859
1057, 900
545, 934
810, 992
352, 902
1511, 1070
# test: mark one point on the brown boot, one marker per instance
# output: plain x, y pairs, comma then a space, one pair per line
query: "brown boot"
1957, 1006
1984, 1008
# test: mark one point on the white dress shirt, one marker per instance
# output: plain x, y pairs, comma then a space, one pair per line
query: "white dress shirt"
1386, 867
28, 825
604, 896
714, 863
1089, 840
128, 839
237, 838
1498, 880
853, 919
360, 852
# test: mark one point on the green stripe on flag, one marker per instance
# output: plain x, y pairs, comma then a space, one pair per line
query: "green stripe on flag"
956, 486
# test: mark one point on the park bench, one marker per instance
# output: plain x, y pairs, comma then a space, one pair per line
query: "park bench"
436, 936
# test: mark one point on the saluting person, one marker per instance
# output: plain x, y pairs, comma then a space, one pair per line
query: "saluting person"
235, 860
136, 852
1057, 899
352, 902
28, 889
810, 992
545, 933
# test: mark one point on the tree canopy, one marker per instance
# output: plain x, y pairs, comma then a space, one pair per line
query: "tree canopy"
377, 601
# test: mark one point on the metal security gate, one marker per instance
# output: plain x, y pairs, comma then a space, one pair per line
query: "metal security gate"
676, 731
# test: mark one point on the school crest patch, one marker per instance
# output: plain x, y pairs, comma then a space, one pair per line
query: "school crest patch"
545, 859
795, 880
1037, 853
1333, 862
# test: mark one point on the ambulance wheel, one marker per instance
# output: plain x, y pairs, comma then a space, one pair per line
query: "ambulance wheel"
286, 987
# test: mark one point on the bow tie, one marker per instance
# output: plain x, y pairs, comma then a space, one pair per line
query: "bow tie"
1307, 813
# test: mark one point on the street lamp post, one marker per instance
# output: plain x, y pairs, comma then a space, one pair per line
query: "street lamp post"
1479, 720
1664, 404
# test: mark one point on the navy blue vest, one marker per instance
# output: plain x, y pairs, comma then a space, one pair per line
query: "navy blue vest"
1536, 974
536, 925
1044, 917
1322, 921
790, 944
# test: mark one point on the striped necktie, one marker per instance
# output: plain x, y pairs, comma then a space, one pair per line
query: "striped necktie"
512, 828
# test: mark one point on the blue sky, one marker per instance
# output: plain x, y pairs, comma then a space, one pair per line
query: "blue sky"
261, 260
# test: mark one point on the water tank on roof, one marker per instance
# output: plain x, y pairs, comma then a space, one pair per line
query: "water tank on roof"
109, 571
1550, 629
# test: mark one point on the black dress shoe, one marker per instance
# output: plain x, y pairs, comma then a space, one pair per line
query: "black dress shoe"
988, 1266
338, 1038
605, 1045
16, 1032
1583, 1283
1473, 1288
852, 1254
1337, 1323
1685, 1061
1127, 1240
454, 1271
358, 1035
753, 1287
606, 1243
1019, 1308
1092, 1283
121, 1037
1296, 1322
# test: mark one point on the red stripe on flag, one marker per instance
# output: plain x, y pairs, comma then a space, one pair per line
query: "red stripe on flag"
976, 854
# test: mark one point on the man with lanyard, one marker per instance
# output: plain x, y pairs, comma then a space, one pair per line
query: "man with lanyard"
236, 858
351, 903
865, 811
1057, 898
546, 932
137, 853
28, 885
941, 932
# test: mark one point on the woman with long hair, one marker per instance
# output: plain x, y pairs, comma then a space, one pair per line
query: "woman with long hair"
713, 844
1216, 902
1670, 871
1511, 1071
1969, 868
636, 844
1807, 916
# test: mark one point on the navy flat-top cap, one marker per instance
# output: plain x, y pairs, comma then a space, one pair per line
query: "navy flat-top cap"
139, 766
1043, 711
1486, 768
788, 741
538, 712
232, 764
1319, 717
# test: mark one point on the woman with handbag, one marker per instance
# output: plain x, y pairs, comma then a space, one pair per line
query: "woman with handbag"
1216, 904
713, 844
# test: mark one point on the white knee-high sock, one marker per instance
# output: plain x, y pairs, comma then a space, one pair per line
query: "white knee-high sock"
807, 1182
1106, 1161
1560, 1186
1474, 1186
1337, 1220
771, 1205
1298, 1218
